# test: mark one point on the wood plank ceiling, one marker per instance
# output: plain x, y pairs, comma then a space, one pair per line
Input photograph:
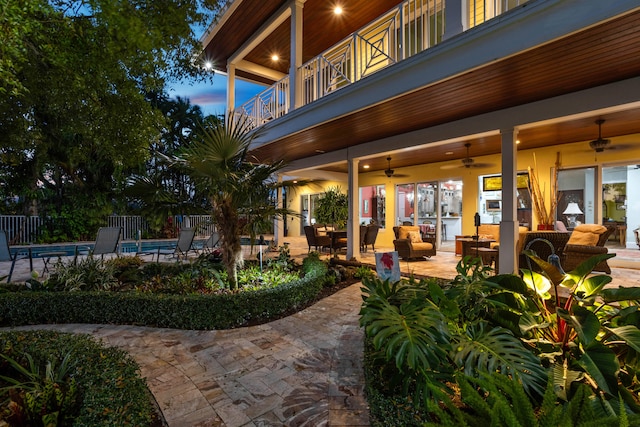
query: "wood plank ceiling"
596, 56
590, 58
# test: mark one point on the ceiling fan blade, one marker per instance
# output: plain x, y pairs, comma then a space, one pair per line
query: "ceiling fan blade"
482, 165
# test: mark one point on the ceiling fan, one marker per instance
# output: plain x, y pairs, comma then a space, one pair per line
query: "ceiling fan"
390, 172
600, 144
467, 162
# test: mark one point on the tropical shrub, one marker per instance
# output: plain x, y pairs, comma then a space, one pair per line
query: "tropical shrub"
192, 310
428, 343
49, 378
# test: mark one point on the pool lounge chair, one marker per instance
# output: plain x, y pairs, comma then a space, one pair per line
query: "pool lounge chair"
5, 255
106, 243
180, 250
212, 243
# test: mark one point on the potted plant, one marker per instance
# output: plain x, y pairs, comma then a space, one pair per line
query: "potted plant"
545, 215
333, 208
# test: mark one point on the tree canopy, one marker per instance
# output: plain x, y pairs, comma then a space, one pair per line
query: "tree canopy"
75, 117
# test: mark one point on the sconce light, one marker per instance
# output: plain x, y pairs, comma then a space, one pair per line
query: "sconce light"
572, 211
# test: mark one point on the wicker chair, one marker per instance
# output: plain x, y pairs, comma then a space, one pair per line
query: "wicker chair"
313, 239
412, 246
587, 240
532, 242
370, 236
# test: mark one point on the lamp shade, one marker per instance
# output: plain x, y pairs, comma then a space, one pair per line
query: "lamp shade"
572, 209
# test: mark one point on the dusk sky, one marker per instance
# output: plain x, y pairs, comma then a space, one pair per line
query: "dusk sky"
212, 97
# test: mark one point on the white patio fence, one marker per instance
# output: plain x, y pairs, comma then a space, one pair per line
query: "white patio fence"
22, 229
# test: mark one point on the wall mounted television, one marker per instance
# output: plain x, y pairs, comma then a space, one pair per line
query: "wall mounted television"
493, 205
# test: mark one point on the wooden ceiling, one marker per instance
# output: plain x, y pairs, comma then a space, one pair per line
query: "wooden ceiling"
591, 58
596, 56
317, 38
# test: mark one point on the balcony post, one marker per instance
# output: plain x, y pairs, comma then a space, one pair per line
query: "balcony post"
509, 225
231, 91
454, 12
295, 92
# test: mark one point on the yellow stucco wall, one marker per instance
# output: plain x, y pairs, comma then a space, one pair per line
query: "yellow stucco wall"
571, 156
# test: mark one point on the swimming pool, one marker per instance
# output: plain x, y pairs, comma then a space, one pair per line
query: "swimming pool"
126, 247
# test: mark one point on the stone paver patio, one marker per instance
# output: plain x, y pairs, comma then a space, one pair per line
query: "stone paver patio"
303, 370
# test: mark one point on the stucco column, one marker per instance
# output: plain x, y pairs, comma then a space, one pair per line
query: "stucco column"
295, 93
509, 224
231, 89
279, 222
353, 224
455, 13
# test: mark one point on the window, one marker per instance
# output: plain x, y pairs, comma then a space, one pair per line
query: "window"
372, 205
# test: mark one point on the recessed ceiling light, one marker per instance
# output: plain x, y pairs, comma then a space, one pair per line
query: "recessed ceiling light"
274, 57
320, 151
517, 141
448, 153
337, 10
365, 166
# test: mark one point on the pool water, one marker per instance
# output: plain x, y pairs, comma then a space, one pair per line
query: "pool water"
126, 247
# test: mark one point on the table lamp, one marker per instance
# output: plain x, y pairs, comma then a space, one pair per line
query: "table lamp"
572, 211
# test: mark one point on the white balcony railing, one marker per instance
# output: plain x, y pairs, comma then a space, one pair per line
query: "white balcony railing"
410, 28
269, 104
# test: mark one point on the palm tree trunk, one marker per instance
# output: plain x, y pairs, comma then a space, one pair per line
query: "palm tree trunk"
227, 220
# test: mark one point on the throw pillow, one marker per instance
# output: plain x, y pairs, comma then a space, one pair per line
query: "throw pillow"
415, 237
583, 238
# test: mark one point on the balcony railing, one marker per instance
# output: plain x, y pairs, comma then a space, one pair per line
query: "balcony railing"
410, 28
269, 104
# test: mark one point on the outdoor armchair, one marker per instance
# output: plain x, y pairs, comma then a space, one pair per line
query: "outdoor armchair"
544, 244
587, 240
410, 244
7, 256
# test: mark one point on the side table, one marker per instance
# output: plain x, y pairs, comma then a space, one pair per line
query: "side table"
470, 243
46, 259
488, 256
459, 243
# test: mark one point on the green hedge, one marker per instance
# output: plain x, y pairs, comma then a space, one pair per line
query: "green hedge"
110, 388
385, 408
220, 311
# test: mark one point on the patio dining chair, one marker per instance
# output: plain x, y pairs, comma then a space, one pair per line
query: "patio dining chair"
6, 255
106, 243
182, 247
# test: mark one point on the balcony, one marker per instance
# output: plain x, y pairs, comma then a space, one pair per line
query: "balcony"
412, 27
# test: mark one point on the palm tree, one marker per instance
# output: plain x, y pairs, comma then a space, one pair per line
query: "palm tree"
237, 188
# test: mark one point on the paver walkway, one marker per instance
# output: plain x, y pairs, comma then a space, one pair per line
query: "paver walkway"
303, 370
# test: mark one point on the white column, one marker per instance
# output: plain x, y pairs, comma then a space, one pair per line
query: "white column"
509, 224
455, 12
279, 222
353, 223
295, 94
231, 89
